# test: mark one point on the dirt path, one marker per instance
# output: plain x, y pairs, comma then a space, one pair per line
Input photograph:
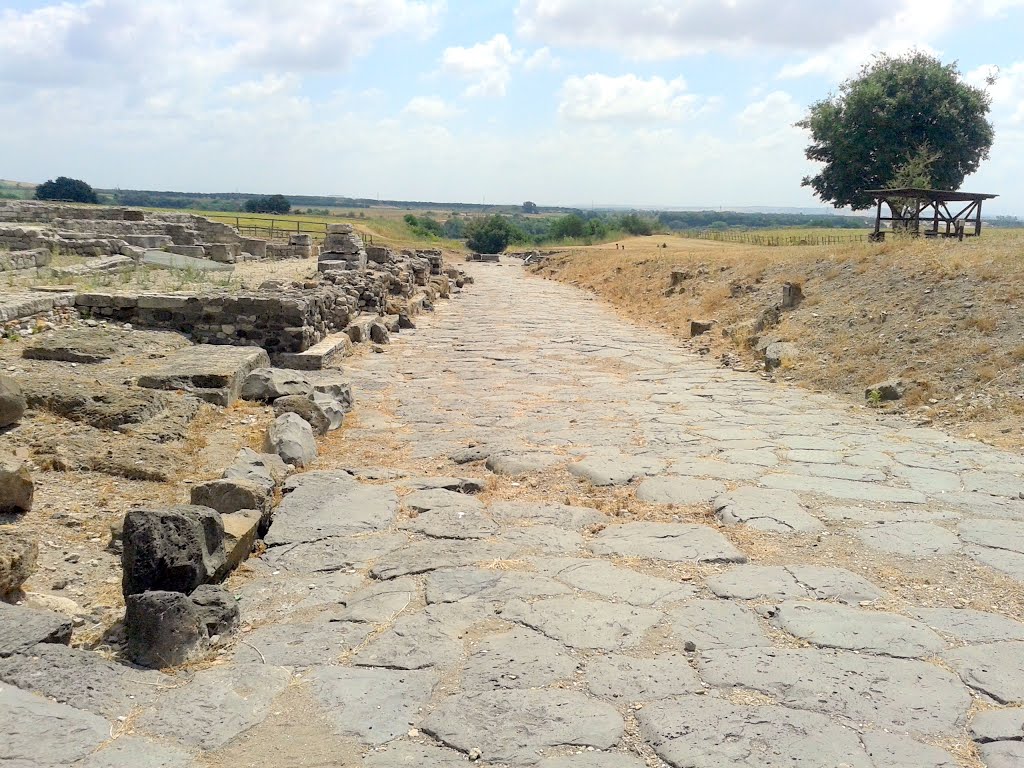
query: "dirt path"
568, 544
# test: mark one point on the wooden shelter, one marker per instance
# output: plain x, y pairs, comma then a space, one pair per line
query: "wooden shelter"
912, 207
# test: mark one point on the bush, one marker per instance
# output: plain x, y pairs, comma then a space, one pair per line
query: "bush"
424, 226
268, 204
491, 234
66, 189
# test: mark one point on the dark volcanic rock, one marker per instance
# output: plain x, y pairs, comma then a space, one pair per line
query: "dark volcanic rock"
174, 549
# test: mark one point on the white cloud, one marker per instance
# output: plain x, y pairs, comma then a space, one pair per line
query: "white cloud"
541, 59
775, 109
486, 66
1007, 91
257, 90
431, 109
628, 97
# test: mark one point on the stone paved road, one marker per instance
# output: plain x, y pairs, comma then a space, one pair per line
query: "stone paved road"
569, 544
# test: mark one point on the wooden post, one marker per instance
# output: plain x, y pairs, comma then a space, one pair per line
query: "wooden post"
977, 220
878, 218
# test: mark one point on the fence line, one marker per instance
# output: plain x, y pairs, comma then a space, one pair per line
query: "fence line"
749, 238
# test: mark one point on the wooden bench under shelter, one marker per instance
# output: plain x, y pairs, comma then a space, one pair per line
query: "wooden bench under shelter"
919, 211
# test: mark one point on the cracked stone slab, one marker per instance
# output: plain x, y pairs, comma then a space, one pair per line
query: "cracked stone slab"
336, 553
373, 705
425, 556
451, 586
785, 582
910, 539
717, 624
592, 760
1002, 754
514, 727
855, 490
895, 515
523, 463
893, 694
278, 597
971, 626
431, 638
378, 603
459, 484
317, 505
135, 752
998, 725
1010, 563
440, 498
615, 583
42, 734
766, 509
22, 628
995, 669
300, 644
603, 470
400, 754
585, 624
718, 470
217, 705
625, 678
542, 539
693, 731
460, 523
996, 534
675, 542
890, 750
82, 679
558, 515
681, 489
521, 658
830, 625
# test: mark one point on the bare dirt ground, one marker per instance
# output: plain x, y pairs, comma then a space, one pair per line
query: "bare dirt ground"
943, 316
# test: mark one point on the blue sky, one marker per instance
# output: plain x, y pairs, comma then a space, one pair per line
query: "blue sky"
631, 102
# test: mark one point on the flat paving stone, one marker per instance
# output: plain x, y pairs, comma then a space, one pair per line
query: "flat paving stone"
621, 679
603, 470
451, 523
134, 752
716, 624
585, 624
830, 625
675, 542
592, 760
378, 603
765, 509
514, 727
698, 731
335, 553
894, 515
299, 645
614, 582
783, 582
995, 534
894, 694
525, 463
543, 540
890, 750
998, 725
425, 556
82, 679
995, 669
431, 638
1010, 563
1002, 754
374, 705
558, 515
678, 490
22, 628
42, 734
450, 586
216, 706
719, 470
910, 539
843, 489
317, 505
971, 626
521, 658
400, 754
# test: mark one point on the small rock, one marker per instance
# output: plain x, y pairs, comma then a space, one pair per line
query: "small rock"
892, 389
268, 384
306, 408
17, 562
12, 401
700, 327
16, 486
291, 438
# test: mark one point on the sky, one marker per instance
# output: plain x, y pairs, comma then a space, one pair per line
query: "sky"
645, 103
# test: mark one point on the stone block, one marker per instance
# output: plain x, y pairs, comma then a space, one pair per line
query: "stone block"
16, 486
263, 469
210, 371
321, 355
162, 629
12, 401
268, 384
240, 532
217, 609
307, 409
227, 496
21, 628
291, 438
18, 556
174, 549
254, 247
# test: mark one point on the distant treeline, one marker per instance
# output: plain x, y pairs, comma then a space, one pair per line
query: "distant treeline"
733, 219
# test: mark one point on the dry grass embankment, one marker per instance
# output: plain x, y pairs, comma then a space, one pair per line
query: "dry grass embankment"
943, 316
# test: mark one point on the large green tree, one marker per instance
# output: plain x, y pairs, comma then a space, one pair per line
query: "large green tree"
894, 110
66, 189
490, 234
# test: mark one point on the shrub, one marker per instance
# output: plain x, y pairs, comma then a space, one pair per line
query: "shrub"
491, 234
268, 204
66, 189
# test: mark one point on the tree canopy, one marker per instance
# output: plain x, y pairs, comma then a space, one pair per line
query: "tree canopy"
268, 204
490, 234
67, 189
882, 122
